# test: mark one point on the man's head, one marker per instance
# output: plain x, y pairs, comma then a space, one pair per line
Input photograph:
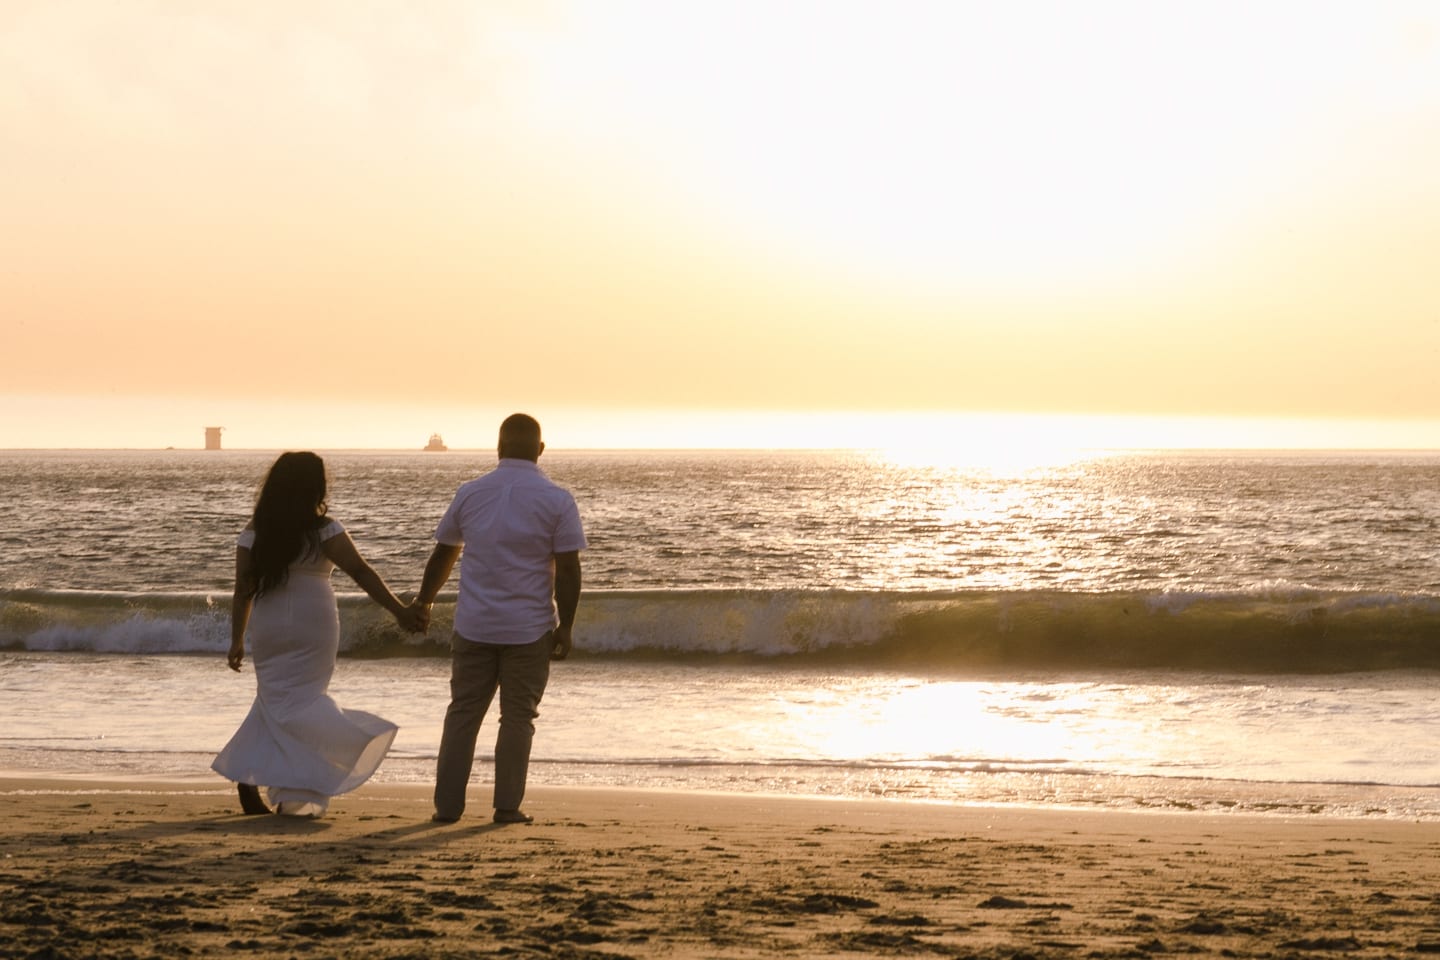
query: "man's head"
520, 438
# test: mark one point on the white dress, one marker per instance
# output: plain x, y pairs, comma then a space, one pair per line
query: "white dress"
296, 741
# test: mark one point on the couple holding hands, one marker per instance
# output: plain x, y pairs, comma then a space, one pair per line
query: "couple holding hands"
518, 539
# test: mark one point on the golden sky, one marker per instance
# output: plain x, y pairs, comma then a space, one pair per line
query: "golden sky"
349, 224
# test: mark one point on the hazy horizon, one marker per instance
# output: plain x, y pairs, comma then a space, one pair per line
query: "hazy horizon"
944, 437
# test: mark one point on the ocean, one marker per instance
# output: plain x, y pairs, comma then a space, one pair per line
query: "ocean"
1213, 631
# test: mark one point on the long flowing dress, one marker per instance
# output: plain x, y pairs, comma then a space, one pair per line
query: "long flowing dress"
296, 741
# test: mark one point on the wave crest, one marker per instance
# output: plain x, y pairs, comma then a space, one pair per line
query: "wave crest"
1270, 629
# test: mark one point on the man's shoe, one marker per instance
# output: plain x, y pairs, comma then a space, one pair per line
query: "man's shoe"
513, 816
439, 819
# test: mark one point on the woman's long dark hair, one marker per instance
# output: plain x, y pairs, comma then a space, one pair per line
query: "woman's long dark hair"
288, 513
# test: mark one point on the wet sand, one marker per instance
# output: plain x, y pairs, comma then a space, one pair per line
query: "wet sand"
144, 869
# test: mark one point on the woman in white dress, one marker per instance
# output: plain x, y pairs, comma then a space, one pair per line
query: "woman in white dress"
296, 741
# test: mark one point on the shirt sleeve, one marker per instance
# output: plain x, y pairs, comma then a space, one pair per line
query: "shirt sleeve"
449, 532
246, 539
569, 535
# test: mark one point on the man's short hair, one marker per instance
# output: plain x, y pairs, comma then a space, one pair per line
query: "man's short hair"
520, 436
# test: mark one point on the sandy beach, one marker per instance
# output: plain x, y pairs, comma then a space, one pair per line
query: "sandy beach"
144, 869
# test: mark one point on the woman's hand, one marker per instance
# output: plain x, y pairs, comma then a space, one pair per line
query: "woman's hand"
236, 655
414, 618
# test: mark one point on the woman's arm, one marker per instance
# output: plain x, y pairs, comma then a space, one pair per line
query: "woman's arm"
341, 551
240, 602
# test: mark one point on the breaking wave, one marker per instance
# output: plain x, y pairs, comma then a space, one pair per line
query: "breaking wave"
1271, 629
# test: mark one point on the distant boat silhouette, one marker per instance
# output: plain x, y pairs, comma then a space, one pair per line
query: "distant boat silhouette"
436, 443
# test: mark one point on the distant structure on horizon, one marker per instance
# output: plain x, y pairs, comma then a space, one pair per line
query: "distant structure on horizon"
212, 438
436, 444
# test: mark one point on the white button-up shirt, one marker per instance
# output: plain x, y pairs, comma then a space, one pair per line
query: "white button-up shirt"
511, 522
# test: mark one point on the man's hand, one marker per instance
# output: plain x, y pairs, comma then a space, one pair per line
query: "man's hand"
414, 617
560, 643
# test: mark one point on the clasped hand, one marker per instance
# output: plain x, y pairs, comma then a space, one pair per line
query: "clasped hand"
414, 617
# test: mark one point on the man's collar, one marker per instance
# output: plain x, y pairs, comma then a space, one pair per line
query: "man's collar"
516, 463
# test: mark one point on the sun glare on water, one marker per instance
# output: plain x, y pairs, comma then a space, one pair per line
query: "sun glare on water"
960, 721
1001, 445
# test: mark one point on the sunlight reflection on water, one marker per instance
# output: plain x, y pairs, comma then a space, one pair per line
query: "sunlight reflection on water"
1145, 740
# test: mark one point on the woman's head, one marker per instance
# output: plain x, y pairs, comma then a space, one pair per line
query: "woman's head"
289, 510
294, 485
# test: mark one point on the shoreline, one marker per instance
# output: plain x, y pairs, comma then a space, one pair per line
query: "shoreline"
1060, 793
136, 866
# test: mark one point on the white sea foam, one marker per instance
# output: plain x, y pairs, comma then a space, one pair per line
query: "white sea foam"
138, 633
1234, 631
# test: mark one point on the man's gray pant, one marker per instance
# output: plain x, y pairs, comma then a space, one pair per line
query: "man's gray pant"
477, 670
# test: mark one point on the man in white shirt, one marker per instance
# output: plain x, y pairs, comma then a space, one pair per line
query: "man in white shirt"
521, 538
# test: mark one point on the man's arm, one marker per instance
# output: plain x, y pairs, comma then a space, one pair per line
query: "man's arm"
437, 571
567, 600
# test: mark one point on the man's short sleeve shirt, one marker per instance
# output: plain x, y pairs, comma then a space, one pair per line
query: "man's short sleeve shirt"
510, 522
